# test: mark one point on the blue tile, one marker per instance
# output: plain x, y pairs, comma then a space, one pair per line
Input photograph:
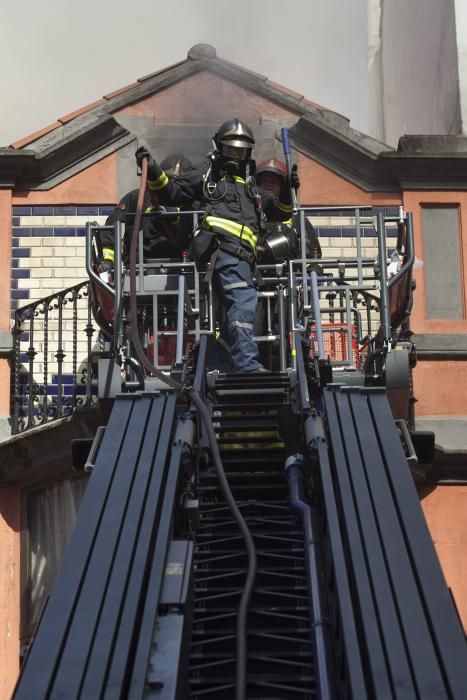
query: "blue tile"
24, 337
87, 210
348, 232
80, 231
81, 390
14, 264
66, 379
15, 221
391, 233
43, 231
62, 231
65, 211
14, 284
14, 304
330, 232
22, 231
21, 274
20, 294
392, 211
42, 211
369, 232
15, 242
21, 252
377, 210
21, 211
107, 210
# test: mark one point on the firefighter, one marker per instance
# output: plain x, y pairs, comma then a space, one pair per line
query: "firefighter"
234, 212
271, 175
163, 237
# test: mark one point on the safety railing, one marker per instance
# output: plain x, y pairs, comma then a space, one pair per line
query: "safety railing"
174, 307
339, 304
55, 342
348, 301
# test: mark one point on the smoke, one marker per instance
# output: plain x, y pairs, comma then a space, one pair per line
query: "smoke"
69, 54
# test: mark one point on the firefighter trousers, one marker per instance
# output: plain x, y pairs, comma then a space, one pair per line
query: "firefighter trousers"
235, 288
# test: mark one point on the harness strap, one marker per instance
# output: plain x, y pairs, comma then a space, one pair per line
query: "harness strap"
237, 251
210, 267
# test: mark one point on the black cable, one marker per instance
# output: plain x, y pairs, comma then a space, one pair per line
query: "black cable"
240, 686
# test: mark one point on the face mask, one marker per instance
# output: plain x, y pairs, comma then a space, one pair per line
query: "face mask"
232, 167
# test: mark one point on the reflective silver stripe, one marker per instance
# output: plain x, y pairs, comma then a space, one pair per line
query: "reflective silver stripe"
235, 285
239, 324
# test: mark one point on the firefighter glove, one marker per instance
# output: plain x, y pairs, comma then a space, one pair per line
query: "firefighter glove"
153, 169
294, 179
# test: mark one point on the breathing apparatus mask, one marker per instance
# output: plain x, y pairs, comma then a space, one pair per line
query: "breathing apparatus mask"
234, 158
234, 141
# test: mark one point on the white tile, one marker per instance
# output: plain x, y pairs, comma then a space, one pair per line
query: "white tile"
42, 253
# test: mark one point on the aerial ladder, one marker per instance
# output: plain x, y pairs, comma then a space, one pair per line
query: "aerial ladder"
253, 536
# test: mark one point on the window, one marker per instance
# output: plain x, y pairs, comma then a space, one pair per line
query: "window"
442, 262
50, 519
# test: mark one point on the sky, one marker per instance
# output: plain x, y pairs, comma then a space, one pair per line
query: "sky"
60, 55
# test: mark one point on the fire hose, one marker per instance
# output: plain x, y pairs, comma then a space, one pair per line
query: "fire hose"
241, 625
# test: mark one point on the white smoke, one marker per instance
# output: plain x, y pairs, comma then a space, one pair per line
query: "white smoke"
62, 55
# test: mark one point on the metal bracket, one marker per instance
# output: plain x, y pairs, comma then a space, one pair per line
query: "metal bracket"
89, 464
406, 440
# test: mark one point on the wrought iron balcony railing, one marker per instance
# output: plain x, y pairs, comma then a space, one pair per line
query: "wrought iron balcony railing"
55, 343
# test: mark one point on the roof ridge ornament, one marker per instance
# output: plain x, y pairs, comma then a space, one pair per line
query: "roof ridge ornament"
200, 51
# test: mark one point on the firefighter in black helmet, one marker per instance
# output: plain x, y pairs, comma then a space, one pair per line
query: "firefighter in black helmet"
234, 212
175, 165
283, 239
163, 237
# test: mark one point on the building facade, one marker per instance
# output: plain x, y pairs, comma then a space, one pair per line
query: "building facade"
53, 182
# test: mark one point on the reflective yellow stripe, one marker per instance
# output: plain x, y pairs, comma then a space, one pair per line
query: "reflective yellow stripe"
239, 230
284, 207
158, 184
237, 178
108, 254
148, 210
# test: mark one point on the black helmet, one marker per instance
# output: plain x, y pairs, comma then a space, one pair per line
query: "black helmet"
175, 164
234, 139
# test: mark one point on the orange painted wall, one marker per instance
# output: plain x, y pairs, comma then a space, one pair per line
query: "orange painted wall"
321, 186
441, 388
9, 589
5, 276
445, 511
5, 258
413, 201
205, 98
95, 185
